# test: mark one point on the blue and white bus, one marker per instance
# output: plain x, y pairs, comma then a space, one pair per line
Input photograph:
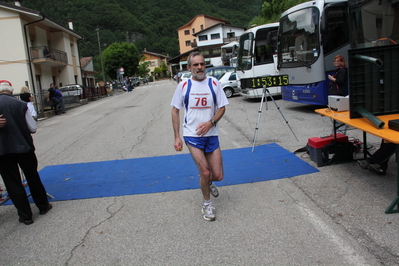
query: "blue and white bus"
310, 35
257, 58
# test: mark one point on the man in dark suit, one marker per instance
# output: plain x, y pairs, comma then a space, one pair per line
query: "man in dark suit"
52, 95
17, 151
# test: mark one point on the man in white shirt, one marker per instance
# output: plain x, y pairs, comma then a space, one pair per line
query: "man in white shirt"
204, 102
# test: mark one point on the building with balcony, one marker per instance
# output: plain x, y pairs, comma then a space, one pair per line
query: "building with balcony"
200, 22
155, 60
207, 35
212, 42
36, 50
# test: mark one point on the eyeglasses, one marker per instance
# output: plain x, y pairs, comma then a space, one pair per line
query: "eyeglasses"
337, 61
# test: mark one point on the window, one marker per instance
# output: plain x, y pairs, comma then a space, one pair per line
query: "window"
377, 27
263, 53
203, 37
202, 27
188, 43
231, 34
218, 72
193, 30
336, 34
216, 51
205, 52
299, 38
187, 32
215, 36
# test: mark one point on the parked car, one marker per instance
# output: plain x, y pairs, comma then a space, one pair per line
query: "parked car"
135, 81
72, 93
228, 81
185, 76
218, 71
178, 76
74, 87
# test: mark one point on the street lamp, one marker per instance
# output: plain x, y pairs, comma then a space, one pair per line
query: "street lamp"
101, 55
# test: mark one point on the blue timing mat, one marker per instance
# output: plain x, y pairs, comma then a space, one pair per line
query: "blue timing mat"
167, 173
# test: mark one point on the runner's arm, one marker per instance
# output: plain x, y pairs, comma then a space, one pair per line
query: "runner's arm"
178, 144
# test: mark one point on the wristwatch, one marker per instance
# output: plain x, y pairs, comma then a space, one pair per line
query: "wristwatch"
213, 122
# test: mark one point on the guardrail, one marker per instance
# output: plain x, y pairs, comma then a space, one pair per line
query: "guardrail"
71, 98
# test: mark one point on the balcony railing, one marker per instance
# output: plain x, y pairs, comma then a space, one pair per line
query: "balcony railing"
44, 54
231, 39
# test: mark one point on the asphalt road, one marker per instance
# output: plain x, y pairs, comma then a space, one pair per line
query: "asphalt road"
332, 217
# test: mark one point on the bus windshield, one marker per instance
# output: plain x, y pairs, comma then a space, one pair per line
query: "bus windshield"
244, 60
299, 38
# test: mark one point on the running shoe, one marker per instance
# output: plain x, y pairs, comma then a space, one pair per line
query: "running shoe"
214, 189
208, 212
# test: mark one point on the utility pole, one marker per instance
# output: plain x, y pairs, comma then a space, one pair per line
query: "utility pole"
101, 55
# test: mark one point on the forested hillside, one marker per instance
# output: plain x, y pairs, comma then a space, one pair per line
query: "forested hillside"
150, 24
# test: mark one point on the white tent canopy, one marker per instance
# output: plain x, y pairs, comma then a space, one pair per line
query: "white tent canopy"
229, 45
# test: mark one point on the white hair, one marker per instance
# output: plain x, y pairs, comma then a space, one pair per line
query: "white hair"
5, 86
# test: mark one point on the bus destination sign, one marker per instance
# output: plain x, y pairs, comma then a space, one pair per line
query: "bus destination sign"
268, 81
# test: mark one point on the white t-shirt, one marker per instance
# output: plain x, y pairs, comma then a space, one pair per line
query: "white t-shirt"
31, 109
30, 122
201, 104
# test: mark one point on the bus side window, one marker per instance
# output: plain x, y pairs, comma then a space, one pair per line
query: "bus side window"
263, 54
337, 33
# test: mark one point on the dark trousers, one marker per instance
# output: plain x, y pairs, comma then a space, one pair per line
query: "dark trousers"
55, 104
382, 155
12, 180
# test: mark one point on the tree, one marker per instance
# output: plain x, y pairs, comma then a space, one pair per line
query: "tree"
121, 55
148, 25
164, 69
272, 10
143, 69
157, 72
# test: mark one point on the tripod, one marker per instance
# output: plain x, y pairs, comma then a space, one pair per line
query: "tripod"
260, 112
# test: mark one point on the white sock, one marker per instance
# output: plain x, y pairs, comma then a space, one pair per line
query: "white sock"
207, 202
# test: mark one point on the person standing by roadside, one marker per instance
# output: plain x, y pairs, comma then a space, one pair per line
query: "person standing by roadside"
204, 103
51, 96
17, 151
130, 85
58, 95
26, 96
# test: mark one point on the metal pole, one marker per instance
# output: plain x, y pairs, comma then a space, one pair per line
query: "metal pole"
265, 90
101, 55
259, 113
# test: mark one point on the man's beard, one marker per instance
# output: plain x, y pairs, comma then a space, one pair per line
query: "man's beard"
199, 76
